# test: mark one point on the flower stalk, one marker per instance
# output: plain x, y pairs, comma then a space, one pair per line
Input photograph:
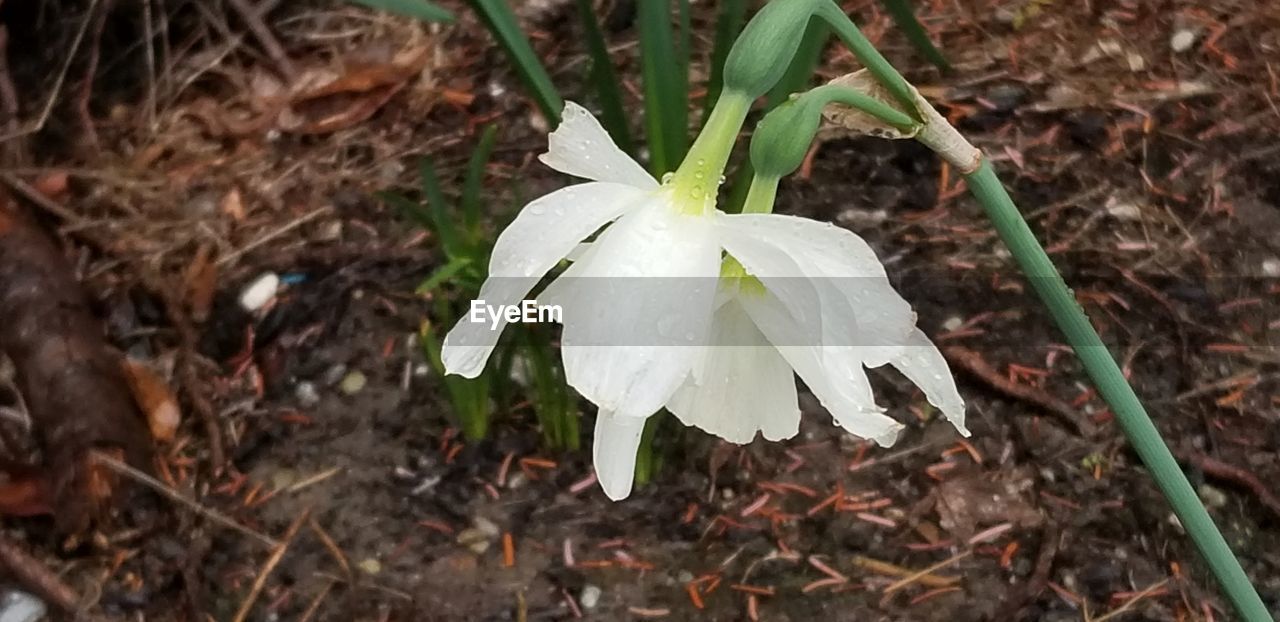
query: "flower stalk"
1048, 284
1101, 367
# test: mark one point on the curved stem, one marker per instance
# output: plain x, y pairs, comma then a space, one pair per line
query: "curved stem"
761, 195
698, 178
869, 56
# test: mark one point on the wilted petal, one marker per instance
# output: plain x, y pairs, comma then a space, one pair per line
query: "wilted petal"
637, 306
582, 148
540, 236
741, 385
835, 258
922, 363
844, 392
617, 438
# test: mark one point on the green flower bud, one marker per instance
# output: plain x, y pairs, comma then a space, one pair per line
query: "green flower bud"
783, 136
761, 54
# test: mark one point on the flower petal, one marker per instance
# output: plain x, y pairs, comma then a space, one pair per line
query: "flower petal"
582, 148
836, 259
741, 385
844, 389
922, 363
637, 305
617, 438
540, 236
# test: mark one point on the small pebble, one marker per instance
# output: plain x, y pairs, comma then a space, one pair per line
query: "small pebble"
487, 527
370, 566
17, 606
474, 539
334, 375
353, 383
1271, 267
261, 291
590, 596
307, 394
953, 323
1182, 40
1212, 497
1125, 210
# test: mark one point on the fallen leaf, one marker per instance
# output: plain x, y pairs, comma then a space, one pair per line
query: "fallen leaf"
969, 502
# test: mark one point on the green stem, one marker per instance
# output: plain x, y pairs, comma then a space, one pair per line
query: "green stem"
869, 56
698, 177
761, 195
1113, 387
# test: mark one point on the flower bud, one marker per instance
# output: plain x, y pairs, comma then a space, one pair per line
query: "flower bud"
783, 136
766, 46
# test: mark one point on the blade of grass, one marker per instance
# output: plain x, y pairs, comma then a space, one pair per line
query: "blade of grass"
666, 88
604, 78
909, 24
438, 210
442, 275
729, 21
418, 9
501, 21
474, 179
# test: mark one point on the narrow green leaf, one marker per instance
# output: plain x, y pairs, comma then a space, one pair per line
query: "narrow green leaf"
733, 13
501, 21
418, 9
472, 183
666, 88
443, 274
905, 18
608, 87
437, 207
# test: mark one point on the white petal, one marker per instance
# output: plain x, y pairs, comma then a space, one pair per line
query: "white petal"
617, 438
581, 147
922, 363
741, 385
540, 236
844, 391
637, 306
835, 259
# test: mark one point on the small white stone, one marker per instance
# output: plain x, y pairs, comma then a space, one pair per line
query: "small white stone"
16, 606
260, 292
1182, 40
1125, 210
953, 323
590, 596
307, 394
1271, 267
353, 383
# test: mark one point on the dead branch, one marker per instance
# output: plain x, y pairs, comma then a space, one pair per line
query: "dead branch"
972, 362
1228, 472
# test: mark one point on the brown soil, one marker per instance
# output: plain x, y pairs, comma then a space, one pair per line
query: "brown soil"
1150, 174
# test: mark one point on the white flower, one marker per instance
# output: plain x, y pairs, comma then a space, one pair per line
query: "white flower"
648, 322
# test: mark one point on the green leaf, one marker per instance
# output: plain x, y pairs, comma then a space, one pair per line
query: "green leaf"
604, 78
443, 274
472, 183
438, 210
419, 9
905, 18
666, 87
501, 21
733, 13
